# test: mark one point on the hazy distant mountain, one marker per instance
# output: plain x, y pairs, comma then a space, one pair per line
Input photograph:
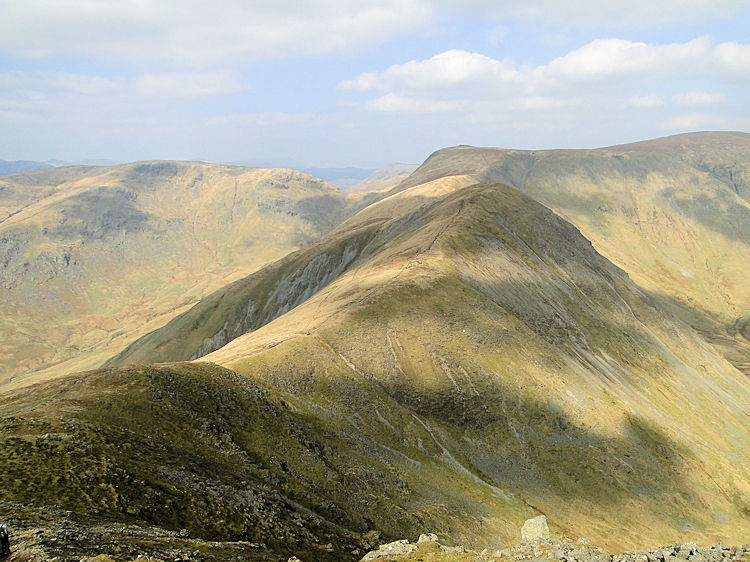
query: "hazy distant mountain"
280, 162
340, 177
94, 162
90, 257
90, 162
19, 166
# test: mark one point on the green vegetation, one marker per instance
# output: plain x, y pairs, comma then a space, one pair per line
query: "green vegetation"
192, 447
249, 303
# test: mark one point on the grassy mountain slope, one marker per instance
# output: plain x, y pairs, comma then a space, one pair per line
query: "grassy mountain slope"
673, 212
188, 449
502, 368
379, 231
93, 257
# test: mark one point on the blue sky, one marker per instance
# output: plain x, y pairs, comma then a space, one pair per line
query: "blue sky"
367, 82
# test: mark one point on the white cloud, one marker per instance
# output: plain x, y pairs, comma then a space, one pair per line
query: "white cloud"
395, 102
57, 82
699, 98
194, 32
365, 82
537, 102
34, 94
172, 85
259, 119
598, 14
605, 58
160, 60
734, 58
651, 100
603, 65
444, 70
39, 89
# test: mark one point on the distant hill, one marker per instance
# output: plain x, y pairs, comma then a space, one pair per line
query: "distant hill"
340, 177
19, 166
91, 257
89, 162
343, 177
384, 178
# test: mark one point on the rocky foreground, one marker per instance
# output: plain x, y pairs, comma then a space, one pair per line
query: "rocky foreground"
118, 542
537, 545
548, 550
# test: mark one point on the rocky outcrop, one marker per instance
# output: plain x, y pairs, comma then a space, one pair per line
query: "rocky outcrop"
66, 539
248, 304
545, 549
396, 548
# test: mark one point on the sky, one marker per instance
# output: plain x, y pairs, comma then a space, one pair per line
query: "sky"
362, 82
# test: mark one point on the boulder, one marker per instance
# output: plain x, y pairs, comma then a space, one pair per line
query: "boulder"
535, 528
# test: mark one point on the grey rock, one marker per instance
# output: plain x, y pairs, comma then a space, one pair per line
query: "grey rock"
391, 549
690, 547
544, 549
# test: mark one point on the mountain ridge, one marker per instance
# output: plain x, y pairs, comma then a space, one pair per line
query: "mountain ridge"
673, 212
417, 320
